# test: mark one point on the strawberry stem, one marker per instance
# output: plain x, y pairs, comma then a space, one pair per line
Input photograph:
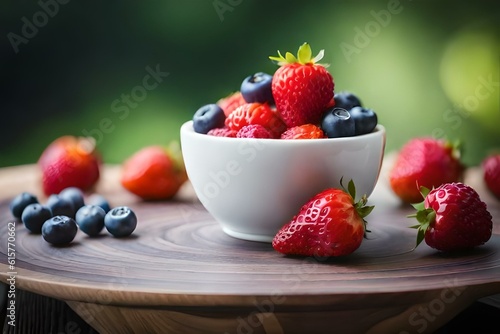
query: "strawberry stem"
362, 209
425, 218
304, 57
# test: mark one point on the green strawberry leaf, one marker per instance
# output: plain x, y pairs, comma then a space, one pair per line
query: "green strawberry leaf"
420, 236
424, 191
425, 217
318, 57
290, 58
304, 57
304, 54
279, 59
417, 206
365, 210
352, 189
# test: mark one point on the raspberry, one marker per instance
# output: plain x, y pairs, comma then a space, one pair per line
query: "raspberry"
254, 131
222, 132
305, 131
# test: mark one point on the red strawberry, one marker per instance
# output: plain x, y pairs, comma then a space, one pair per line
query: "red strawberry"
231, 102
302, 89
424, 162
154, 172
305, 131
222, 132
255, 113
69, 161
254, 131
452, 217
330, 224
491, 173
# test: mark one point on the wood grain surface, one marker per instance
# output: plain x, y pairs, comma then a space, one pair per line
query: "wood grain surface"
180, 271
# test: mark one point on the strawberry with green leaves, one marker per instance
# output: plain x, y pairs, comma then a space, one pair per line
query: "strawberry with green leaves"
302, 88
329, 224
452, 217
424, 162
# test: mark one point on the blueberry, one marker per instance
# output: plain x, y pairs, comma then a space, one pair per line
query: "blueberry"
346, 100
365, 120
337, 122
120, 221
208, 117
60, 206
59, 230
257, 88
74, 195
99, 200
90, 219
34, 216
20, 202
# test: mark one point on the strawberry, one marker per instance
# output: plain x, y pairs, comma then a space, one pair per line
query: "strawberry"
329, 224
452, 217
154, 172
302, 89
231, 102
424, 162
491, 173
304, 131
69, 161
255, 113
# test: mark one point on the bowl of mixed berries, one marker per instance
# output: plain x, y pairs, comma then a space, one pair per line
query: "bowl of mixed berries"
256, 156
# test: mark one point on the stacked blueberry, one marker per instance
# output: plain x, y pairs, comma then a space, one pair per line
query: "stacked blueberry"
59, 219
348, 117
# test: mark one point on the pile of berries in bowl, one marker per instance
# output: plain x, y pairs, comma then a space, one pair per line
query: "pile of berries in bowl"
256, 156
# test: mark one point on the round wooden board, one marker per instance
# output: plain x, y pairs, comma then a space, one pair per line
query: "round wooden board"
180, 257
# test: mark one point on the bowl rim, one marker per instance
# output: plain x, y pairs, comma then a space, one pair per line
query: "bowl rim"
187, 128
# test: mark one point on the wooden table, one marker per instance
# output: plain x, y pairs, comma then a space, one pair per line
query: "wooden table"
180, 273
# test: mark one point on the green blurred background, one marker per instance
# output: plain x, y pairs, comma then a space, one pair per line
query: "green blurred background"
428, 68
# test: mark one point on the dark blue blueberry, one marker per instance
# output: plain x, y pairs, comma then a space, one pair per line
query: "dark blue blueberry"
20, 202
74, 195
59, 230
208, 117
337, 122
60, 206
365, 120
346, 100
34, 216
257, 88
99, 200
90, 219
120, 221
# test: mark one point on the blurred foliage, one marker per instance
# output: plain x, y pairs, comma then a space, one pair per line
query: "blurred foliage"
428, 68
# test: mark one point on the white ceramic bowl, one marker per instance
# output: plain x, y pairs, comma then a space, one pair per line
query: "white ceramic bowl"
252, 187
